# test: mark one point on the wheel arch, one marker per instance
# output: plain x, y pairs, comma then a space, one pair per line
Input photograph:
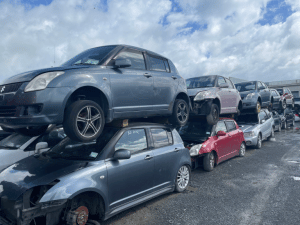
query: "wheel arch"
183, 96
218, 103
216, 156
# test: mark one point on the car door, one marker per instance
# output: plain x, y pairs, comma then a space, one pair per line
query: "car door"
222, 144
234, 96
132, 178
234, 135
165, 83
224, 95
166, 157
262, 92
263, 125
267, 92
131, 87
269, 122
276, 99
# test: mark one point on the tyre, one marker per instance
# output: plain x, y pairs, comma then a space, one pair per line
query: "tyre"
259, 142
84, 121
284, 126
283, 105
182, 178
257, 107
6, 129
181, 113
242, 150
209, 161
214, 114
279, 128
272, 134
32, 131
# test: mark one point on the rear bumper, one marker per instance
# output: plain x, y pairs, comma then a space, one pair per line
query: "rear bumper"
20, 109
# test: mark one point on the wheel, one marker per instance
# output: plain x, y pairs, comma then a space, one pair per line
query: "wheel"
284, 125
84, 121
180, 113
272, 134
283, 105
209, 161
279, 128
259, 141
242, 150
257, 107
32, 131
6, 129
213, 116
182, 178
79, 215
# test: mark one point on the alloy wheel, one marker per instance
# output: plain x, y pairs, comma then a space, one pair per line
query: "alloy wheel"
259, 141
215, 114
258, 107
183, 177
212, 160
182, 112
88, 121
242, 149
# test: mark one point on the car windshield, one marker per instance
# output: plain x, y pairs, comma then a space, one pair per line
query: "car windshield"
247, 119
200, 82
195, 130
246, 86
69, 149
90, 57
280, 91
14, 141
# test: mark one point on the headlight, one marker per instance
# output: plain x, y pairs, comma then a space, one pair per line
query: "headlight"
250, 95
195, 150
249, 134
201, 95
42, 81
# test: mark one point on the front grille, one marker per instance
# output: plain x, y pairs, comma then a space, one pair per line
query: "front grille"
7, 111
7, 88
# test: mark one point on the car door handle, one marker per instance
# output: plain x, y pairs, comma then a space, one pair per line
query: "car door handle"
176, 150
174, 77
148, 157
147, 75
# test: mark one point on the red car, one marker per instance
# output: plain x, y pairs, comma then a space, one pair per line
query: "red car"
211, 144
286, 96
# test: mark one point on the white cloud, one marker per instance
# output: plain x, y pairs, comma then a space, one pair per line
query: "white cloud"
235, 43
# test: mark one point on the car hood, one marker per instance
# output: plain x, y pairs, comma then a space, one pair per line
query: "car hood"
247, 127
31, 172
194, 91
28, 76
245, 93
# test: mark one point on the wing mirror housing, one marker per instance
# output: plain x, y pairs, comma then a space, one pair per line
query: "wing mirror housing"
221, 133
121, 63
122, 154
263, 121
41, 145
224, 85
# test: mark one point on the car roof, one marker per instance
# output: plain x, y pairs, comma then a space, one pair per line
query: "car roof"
143, 125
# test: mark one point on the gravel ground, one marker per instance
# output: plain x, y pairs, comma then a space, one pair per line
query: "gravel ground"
261, 188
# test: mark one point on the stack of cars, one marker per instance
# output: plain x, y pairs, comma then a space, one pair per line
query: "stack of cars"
73, 157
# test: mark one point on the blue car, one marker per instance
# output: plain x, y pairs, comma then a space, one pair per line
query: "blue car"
76, 181
94, 88
255, 95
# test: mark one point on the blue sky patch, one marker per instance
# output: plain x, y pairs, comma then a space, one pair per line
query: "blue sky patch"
276, 11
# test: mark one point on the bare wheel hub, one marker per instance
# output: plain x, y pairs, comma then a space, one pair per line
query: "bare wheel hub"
79, 216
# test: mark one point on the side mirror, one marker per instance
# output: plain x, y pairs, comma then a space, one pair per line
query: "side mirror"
225, 85
263, 121
221, 133
119, 63
41, 145
122, 154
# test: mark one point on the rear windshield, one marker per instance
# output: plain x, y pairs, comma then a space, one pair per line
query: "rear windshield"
200, 82
247, 86
248, 118
195, 130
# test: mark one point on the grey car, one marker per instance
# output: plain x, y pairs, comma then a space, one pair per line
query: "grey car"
212, 96
76, 181
255, 95
95, 87
257, 127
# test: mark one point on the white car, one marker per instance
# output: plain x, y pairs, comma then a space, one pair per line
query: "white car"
18, 146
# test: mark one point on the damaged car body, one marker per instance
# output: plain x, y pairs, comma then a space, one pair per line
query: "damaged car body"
212, 96
76, 181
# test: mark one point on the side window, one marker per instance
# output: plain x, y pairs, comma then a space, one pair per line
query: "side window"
133, 140
229, 84
136, 58
167, 66
172, 67
221, 80
274, 93
221, 126
161, 137
157, 64
260, 86
230, 125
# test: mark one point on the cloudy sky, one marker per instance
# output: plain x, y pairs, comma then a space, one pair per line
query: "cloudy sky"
248, 39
